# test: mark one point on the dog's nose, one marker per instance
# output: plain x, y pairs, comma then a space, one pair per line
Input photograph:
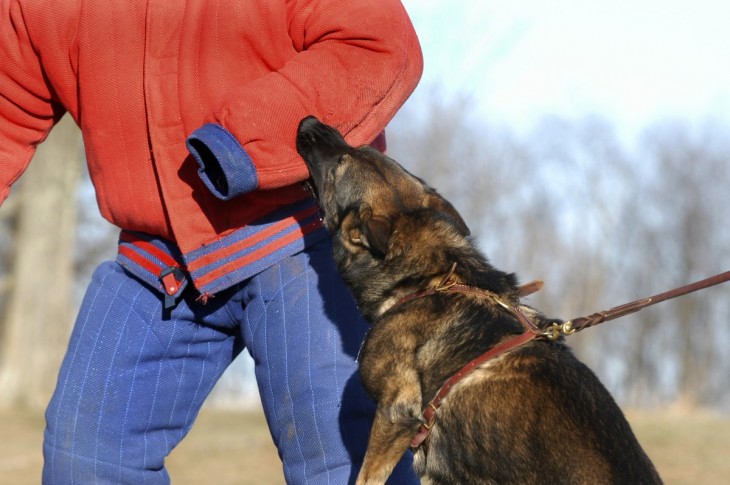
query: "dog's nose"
316, 139
309, 123
306, 136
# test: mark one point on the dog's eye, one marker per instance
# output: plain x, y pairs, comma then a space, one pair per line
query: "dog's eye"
340, 159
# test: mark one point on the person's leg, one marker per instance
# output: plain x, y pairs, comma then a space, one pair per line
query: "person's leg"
304, 331
131, 383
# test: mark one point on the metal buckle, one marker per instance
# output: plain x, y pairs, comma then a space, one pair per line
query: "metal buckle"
554, 331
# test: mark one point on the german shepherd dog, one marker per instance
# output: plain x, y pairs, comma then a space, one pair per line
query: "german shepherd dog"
532, 415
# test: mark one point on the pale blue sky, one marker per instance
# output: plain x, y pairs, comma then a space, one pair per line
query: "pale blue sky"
632, 61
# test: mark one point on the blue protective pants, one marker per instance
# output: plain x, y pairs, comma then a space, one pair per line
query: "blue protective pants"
134, 378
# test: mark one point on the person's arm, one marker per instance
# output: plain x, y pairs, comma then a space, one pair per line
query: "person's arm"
357, 62
27, 109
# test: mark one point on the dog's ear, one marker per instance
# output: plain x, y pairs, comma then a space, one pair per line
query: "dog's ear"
371, 231
436, 202
377, 232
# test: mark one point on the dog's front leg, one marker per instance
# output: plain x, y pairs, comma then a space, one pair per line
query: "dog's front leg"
396, 421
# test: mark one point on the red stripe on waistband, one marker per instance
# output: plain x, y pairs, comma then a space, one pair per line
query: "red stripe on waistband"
137, 258
259, 253
150, 248
264, 234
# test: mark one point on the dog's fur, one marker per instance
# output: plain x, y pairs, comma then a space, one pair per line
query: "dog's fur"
535, 415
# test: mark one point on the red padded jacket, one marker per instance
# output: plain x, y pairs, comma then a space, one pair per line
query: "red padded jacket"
141, 76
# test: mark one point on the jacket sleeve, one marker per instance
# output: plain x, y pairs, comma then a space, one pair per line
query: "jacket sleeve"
357, 62
27, 111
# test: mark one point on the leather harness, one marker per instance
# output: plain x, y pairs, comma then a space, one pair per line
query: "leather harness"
531, 331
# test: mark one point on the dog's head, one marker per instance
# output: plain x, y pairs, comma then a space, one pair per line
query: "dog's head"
361, 190
368, 198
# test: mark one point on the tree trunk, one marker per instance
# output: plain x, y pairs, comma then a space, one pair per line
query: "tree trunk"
39, 309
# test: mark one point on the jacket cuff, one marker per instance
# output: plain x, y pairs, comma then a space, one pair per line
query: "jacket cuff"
224, 166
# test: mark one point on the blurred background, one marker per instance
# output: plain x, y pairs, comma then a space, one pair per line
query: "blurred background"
586, 144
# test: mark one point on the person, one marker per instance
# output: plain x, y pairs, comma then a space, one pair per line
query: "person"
189, 112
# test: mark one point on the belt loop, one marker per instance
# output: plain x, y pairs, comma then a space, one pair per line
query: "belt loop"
172, 279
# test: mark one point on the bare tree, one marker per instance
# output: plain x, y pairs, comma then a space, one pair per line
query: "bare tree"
691, 234
39, 307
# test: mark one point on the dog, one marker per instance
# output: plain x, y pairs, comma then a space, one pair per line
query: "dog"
534, 414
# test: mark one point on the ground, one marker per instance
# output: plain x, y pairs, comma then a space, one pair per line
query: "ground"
234, 447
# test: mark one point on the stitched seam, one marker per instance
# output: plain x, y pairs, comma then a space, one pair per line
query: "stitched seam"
311, 380
106, 387
86, 373
68, 376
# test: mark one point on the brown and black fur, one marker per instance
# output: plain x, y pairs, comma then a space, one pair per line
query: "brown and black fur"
535, 415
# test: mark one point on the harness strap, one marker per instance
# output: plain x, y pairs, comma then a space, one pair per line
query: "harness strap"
449, 285
429, 413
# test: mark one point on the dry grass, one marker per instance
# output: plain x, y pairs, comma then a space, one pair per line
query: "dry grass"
687, 448
235, 448
226, 448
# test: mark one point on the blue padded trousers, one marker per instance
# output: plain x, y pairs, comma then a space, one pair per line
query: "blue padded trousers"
134, 377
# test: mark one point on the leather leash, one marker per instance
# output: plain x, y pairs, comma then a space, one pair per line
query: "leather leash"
581, 323
448, 284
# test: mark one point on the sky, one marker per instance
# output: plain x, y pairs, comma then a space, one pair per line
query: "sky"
633, 62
